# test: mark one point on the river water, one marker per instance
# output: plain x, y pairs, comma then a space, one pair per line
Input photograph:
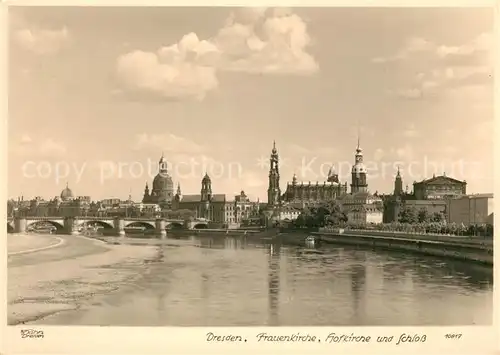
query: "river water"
231, 281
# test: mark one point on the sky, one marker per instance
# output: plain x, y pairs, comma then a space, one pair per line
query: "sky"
97, 95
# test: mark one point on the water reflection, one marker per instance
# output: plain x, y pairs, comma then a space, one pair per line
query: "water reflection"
357, 271
274, 283
234, 281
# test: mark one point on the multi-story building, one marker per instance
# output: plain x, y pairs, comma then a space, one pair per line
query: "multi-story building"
438, 188
212, 207
244, 208
432, 195
110, 202
304, 194
470, 209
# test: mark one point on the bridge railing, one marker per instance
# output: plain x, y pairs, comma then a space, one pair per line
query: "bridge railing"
93, 218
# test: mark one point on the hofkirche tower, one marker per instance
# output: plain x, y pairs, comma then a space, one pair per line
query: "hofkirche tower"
358, 173
273, 191
162, 191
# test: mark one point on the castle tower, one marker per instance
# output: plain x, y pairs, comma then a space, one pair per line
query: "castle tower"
332, 175
398, 184
273, 191
358, 173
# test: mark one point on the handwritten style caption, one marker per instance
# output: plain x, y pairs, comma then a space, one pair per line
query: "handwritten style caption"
331, 338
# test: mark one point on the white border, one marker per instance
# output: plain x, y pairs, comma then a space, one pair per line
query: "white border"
173, 340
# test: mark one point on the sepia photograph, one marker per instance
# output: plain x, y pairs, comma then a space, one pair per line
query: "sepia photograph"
237, 167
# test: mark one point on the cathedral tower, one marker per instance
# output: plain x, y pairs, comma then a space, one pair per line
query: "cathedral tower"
206, 197
206, 188
398, 184
273, 191
358, 173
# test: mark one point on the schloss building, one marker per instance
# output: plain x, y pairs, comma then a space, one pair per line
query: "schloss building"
431, 194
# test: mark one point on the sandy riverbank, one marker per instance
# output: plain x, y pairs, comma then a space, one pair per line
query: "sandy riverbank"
20, 242
35, 291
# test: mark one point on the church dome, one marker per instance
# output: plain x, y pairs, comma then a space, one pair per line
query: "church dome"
163, 182
66, 194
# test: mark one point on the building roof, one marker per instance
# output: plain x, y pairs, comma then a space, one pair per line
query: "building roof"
490, 195
313, 183
359, 196
441, 179
191, 198
219, 198
197, 198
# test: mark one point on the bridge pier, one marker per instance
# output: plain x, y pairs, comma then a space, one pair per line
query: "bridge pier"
70, 225
161, 228
119, 224
20, 225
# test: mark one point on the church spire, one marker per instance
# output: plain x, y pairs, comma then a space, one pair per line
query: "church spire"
273, 191
398, 184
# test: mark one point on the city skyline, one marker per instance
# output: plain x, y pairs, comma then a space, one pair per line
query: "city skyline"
244, 78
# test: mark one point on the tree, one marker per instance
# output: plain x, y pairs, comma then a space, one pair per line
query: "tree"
437, 217
408, 215
423, 216
300, 221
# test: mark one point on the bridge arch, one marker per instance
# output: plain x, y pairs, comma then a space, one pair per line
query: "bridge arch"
200, 225
103, 224
175, 225
148, 225
58, 225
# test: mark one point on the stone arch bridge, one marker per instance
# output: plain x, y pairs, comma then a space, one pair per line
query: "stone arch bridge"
71, 225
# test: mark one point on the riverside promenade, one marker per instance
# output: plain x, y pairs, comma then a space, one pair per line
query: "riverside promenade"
456, 247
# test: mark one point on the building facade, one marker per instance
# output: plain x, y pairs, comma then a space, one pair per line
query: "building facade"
304, 194
433, 195
438, 188
215, 208
470, 209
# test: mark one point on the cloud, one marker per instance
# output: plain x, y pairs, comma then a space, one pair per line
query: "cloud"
41, 41
412, 46
167, 142
256, 41
478, 51
48, 147
272, 42
146, 71
450, 68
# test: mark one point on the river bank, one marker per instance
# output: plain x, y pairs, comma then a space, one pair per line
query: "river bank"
470, 251
56, 280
